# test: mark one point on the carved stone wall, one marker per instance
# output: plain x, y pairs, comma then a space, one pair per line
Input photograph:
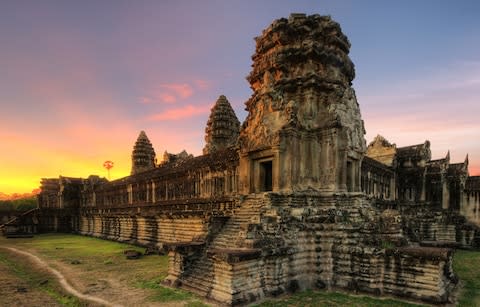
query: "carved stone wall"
423, 223
143, 230
294, 242
470, 207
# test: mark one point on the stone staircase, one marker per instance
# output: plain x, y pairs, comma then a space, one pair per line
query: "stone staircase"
16, 223
235, 230
199, 277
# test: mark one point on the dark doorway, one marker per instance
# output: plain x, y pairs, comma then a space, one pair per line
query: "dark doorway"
266, 175
349, 176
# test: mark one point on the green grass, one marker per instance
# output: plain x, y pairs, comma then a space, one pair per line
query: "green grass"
467, 266
323, 298
95, 254
36, 280
195, 304
107, 257
163, 294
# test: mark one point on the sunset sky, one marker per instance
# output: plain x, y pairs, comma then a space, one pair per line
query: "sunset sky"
80, 79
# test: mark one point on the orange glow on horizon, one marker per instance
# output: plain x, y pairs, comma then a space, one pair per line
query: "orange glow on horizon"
26, 180
474, 170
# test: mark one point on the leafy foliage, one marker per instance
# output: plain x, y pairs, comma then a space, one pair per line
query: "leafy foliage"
19, 205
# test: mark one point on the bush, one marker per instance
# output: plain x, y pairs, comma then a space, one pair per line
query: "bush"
19, 205
6, 206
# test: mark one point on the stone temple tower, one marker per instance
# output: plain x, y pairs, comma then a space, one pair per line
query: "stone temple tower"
143, 155
303, 130
223, 127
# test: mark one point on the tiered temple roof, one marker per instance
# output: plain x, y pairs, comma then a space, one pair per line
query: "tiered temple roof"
421, 151
143, 155
223, 127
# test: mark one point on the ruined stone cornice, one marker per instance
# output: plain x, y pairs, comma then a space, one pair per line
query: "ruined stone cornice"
433, 253
311, 81
287, 31
298, 85
286, 58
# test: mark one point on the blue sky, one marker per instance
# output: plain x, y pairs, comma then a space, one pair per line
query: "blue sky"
80, 79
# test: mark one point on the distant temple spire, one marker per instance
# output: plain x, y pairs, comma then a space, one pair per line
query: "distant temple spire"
223, 127
143, 155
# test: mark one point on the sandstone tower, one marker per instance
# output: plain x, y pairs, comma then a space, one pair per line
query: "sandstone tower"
222, 128
304, 129
143, 155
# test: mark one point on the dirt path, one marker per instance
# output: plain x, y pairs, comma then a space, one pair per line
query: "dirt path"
61, 278
16, 291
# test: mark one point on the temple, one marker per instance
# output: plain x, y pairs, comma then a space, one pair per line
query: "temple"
143, 155
293, 198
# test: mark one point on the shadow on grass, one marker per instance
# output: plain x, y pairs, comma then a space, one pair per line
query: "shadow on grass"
323, 298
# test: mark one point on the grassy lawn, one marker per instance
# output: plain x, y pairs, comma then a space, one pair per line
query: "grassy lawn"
16, 277
100, 259
323, 298
467, 266
104, 260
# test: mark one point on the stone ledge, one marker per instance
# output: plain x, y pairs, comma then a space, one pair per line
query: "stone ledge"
183, 246
444, 244
18, 235
234, 255
433, 253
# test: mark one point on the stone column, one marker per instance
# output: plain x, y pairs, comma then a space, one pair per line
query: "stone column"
153, 192
358, 175
445, 194
147, 192
423, 192
244, 170
392, 189
60, 200
130, 194
276, 170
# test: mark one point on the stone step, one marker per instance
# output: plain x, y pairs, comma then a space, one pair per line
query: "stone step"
234, 230
239, 220
195, 285
199, 278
